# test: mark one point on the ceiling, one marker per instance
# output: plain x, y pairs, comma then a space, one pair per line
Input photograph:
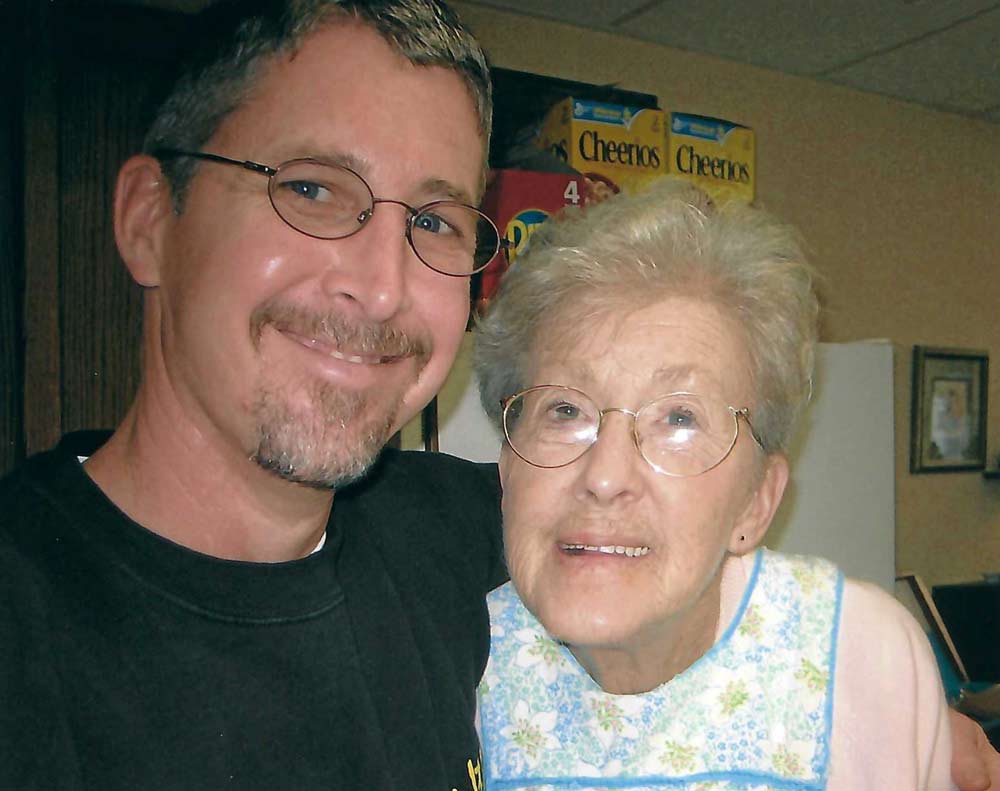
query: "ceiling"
943, 54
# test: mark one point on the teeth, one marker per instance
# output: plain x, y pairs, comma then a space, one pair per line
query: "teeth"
608, 549
351, 358
322, 346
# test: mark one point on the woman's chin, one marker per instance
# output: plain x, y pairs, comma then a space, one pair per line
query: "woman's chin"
588, 628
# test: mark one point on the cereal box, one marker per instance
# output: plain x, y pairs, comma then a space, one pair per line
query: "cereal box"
518, 201
615, 147
716, 155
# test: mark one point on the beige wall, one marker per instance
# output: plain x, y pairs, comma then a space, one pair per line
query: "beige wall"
900, 206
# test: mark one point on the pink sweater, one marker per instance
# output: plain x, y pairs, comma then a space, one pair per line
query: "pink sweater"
890, 719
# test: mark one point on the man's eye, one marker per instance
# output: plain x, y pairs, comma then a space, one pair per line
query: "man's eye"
433, 223
310, 190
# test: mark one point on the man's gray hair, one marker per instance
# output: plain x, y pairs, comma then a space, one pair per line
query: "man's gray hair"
633, 251
236, 40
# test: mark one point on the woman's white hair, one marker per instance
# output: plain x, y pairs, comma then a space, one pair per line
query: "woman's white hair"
633, 251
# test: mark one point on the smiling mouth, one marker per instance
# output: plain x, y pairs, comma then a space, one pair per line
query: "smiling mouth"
607, 549
326, 348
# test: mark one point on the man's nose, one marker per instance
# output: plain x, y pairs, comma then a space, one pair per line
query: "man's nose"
369, 272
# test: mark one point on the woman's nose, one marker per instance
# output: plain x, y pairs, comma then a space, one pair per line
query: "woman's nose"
612, 468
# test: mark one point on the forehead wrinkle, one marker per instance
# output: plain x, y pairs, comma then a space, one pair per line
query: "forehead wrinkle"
571, 373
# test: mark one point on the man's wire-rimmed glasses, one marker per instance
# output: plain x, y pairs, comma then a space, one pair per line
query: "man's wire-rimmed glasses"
328, 201
679, 434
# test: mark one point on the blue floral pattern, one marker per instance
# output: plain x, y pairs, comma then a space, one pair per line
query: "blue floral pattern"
757, 708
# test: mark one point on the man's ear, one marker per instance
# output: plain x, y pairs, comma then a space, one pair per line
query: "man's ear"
756, 518
143, 213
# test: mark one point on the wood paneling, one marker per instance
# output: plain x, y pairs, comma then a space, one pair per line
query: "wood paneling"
11, 258
42, 421
90, 69
101, 312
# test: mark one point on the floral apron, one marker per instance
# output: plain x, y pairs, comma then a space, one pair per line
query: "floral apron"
752, 713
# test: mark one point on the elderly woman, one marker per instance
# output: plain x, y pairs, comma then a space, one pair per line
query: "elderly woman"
647, 361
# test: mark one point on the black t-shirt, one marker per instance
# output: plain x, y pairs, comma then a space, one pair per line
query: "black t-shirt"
130, 662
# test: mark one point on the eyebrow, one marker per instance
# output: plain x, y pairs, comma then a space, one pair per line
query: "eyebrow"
697, 377
434, 188
450, 191
675, 373
309, 151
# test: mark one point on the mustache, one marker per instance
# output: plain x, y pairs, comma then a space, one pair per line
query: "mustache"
376, 338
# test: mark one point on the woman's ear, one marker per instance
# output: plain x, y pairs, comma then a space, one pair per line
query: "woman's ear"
143, 212
756, 518
506, 459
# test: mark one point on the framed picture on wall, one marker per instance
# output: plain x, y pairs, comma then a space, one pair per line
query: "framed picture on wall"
948, 413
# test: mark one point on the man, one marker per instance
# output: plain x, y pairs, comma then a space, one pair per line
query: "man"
187, 608
165, 624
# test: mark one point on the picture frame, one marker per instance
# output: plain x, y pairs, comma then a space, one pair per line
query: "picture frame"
429, 426
913, 593
949, 409
976, 699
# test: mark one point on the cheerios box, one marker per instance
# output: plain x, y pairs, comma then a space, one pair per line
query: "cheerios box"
519, 201
614, 146
717, 155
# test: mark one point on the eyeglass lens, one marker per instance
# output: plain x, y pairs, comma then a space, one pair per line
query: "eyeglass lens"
681, 434
331, 202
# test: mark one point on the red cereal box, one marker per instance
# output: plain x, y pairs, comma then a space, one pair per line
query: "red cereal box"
518, 201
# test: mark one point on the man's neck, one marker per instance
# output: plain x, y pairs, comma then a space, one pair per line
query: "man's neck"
195, 490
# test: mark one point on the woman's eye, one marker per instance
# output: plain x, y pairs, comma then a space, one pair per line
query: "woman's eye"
567, 410
680, 418
563, 411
